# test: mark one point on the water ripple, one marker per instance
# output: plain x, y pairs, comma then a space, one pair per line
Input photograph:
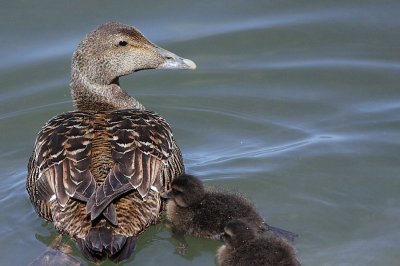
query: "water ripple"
30, 110
40, 52
212, 157
44, 85
339, 63
198, 31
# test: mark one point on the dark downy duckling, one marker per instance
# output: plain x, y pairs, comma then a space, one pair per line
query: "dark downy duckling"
97, 173
244, 246
205, 212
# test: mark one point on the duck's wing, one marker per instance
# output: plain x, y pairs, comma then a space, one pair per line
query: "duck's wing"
144, 156
59, 166
142, 147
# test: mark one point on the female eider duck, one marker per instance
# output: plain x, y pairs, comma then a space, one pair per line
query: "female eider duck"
97, 173
244, 246
204, 212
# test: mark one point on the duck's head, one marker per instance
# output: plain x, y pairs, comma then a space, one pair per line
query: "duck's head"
186, 190
238, 231
114, 49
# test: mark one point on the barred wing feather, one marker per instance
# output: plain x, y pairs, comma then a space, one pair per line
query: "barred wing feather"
142, 148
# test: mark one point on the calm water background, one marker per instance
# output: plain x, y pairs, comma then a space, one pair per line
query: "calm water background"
294, 103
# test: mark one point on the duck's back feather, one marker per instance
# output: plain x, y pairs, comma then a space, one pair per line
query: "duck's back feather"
95, 159
63, 156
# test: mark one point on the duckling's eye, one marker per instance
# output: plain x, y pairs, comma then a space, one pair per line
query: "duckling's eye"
123, 43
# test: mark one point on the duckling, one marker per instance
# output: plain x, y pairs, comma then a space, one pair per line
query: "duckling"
205, 212
97, 172
244, 246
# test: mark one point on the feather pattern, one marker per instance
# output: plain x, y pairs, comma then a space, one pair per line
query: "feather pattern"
141, 145
62, 155
71, 170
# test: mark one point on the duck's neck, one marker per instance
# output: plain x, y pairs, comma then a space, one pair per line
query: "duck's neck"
91, 96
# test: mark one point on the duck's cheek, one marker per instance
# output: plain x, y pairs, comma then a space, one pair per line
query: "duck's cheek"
144, 58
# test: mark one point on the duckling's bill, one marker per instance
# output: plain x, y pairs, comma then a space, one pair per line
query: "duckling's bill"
167, 195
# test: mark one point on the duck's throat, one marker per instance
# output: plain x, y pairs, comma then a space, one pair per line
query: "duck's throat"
92, 97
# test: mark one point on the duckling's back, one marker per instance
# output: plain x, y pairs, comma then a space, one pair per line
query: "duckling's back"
98, 177
266, 251
218, 208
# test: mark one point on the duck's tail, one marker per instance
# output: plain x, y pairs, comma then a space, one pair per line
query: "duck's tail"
100, 242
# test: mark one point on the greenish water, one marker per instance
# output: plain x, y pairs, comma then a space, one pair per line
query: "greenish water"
294, 103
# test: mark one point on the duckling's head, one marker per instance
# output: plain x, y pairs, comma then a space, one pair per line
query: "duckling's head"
238, 231
186, 190
114, 49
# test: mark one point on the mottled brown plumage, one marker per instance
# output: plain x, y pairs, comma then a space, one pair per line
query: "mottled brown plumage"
97, 172
245, 246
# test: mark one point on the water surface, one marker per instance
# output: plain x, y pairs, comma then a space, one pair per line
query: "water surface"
294, 103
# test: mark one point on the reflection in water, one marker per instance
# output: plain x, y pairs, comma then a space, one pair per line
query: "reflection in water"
58, 253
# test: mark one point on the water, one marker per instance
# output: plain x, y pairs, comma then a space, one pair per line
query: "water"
294, 103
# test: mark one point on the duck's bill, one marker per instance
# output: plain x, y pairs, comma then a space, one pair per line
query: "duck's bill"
172, 61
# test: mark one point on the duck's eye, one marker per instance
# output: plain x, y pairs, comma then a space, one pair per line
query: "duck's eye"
123, 43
